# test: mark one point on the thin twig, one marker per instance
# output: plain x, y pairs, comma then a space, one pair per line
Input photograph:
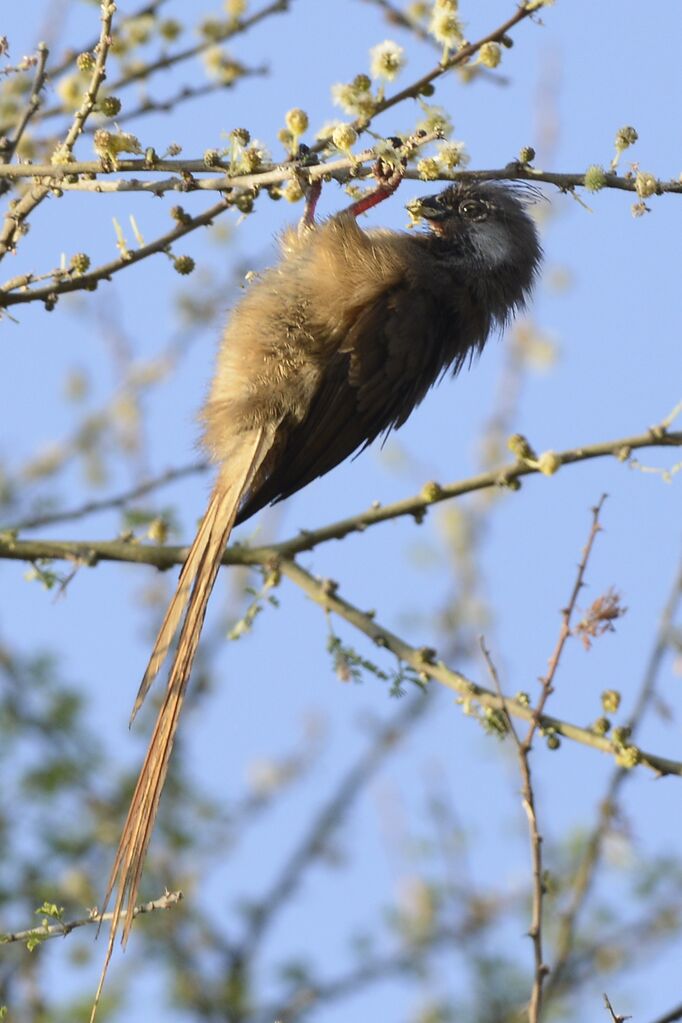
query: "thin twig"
524, 748
547, 681
107, 503
614, 1016
395, 16
89, 281
61, 929
30, 110
591, 857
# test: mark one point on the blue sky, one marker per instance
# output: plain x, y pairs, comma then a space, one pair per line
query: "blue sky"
589, 70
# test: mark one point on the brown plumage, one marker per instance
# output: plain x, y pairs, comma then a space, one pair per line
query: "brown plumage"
331, 347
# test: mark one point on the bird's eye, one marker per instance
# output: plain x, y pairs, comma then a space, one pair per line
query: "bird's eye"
473, 209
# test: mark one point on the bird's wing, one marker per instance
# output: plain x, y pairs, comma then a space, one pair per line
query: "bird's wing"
390, 356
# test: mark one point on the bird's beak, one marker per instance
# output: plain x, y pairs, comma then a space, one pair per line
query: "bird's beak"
426, 208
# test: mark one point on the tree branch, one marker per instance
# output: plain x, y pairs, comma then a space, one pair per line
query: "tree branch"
18, 291
417, 506
8, 150
523, 748
61, 929
324, 593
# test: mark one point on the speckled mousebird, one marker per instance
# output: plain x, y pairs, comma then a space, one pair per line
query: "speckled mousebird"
331, 347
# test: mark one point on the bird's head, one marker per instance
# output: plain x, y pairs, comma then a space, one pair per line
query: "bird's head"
483, 223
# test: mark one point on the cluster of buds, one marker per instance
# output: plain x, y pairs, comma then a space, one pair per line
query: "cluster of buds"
449, 156
445, 26
110, 144
355, 97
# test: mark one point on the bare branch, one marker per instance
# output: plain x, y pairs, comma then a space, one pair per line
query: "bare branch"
524, 748
107, 503
8, 150
591, 857
614, 1016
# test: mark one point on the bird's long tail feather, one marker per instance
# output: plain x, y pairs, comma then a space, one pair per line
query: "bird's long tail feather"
195, 583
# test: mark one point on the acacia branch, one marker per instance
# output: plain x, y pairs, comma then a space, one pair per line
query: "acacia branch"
274, 174
413, 91
68, 280
417, 506
325, 593
18, 290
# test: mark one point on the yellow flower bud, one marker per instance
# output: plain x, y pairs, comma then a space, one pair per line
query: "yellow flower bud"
157, 531
549, 463
490, 54
183, 265
296, 121
645, 185
344, 137
519, 446
610, 700
428, 169
595, 178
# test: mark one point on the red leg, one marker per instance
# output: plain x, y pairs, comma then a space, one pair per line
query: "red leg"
312, 195
389, 179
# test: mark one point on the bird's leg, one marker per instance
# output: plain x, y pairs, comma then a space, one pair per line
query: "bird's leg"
312, 194
311, 189
389, 177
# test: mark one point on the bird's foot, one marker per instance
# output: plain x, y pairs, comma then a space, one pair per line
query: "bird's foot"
388, 176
